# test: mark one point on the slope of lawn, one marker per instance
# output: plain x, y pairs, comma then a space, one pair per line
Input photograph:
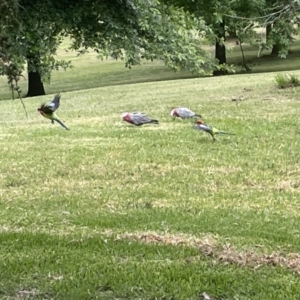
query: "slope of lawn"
112, 211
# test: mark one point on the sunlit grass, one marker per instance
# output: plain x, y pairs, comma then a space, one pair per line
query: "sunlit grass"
97, 212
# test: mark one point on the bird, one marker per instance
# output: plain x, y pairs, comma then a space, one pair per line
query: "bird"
137, 118
48, 111
209, 129
183, 113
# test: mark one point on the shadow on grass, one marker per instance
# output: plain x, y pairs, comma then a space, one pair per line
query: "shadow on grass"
41, 266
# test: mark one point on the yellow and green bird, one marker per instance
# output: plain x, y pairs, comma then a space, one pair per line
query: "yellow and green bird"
209, 129
48, 111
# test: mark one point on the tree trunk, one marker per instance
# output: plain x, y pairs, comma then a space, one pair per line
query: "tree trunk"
268, 32
275, 49
220, 52
35, 84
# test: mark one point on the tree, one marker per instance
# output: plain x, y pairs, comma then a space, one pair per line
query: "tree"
126, 29
161, 32
9, 25
37, 41
45, 23
213, 12
280, 18
10, 63
240, 22
281, 37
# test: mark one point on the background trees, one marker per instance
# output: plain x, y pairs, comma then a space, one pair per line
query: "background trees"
10, 61
125, 29
170, 30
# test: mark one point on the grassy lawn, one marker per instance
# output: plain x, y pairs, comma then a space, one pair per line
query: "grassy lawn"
111, 211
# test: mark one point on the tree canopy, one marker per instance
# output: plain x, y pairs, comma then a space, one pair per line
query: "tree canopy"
125, 29
9, 27
168, 30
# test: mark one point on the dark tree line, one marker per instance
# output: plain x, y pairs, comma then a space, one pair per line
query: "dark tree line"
31, 32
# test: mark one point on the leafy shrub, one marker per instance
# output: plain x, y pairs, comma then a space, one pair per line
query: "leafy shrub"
284, 81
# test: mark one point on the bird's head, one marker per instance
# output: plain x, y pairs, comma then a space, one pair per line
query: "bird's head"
199, 122
124, 115
173, 112
41, 106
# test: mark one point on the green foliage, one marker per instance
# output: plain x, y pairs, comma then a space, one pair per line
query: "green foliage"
162, 32
234, 16
282, 36
38, 40
128, 30
11, 64
177, 40
9, 22
280, 18
9, 25
286, 81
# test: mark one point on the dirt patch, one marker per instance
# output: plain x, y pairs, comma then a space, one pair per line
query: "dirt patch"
227, 254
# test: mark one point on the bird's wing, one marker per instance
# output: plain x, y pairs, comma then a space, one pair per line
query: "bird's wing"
203, 127
55, 102
215, 130
139, 118
185, 112
46, 109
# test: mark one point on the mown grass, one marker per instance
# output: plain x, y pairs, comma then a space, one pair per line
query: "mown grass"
111, 211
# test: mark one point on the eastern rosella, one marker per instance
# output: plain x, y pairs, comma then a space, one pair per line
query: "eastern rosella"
209, 129
48, 111
183, 113
137, 118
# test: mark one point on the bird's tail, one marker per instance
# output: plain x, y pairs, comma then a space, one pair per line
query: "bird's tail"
198, 116
154, 121
62, 124
222, 132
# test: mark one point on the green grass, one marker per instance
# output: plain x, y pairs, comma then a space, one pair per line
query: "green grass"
111, 211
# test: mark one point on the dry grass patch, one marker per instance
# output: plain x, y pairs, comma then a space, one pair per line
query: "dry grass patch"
288, 185
210, 247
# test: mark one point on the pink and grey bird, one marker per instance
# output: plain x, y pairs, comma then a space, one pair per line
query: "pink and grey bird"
183, 113
209, 129
137, 118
